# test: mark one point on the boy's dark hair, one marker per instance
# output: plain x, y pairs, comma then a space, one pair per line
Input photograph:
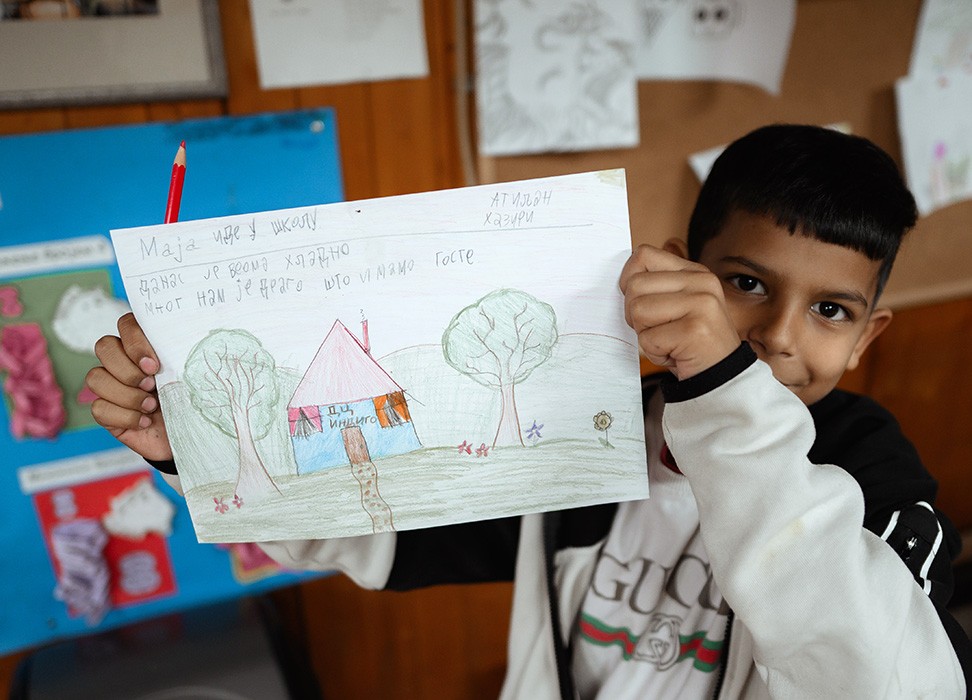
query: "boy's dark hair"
814, 181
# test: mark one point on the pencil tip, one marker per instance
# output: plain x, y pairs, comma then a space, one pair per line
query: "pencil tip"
182, 145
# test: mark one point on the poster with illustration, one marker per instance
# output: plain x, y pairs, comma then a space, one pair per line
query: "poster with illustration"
554, 76
395, 363
735, 40
94, 538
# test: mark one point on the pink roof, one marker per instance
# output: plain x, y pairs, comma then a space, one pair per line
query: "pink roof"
342, 372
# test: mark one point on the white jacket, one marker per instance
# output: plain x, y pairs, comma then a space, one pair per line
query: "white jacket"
824, 608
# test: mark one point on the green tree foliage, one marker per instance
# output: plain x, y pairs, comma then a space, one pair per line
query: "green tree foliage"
231, 380
498, 342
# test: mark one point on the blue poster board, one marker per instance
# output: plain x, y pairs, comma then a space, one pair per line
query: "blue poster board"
60, 194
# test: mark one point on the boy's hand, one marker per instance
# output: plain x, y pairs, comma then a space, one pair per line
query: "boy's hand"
128, 403
678, 310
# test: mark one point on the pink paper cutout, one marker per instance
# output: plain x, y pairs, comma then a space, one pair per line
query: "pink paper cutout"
37, 400
10, 305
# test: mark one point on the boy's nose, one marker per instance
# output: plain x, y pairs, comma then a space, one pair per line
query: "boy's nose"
776, 333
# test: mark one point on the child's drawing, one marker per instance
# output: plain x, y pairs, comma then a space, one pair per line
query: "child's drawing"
935, 139
943, 40
554, 76
949, 175
315, 42
713, 40
491, 332
715, 19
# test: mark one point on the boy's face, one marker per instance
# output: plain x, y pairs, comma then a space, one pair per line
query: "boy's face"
805, 306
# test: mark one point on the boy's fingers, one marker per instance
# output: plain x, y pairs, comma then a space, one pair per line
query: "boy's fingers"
111, 389
649, 311
656, 297
116, 418
647, 258
117, 363
136, 345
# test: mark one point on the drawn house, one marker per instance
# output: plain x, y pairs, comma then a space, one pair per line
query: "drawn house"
347, 409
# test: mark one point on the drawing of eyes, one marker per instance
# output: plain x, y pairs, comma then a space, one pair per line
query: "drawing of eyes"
715, 18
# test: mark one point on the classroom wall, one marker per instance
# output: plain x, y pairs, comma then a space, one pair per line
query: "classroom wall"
402, 136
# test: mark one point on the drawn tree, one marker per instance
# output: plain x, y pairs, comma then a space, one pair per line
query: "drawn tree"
498, 342
231, 381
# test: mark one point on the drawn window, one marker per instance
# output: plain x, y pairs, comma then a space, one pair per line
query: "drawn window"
304, 421
391, 410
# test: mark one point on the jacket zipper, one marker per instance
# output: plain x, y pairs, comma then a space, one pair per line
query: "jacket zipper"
725, 656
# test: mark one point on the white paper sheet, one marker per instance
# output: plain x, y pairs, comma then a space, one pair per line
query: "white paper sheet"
735, 40
936, 141
322, 42
554, 76
943, 40
467, 295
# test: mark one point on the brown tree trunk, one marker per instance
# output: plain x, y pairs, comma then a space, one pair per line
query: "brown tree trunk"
253, 481
508, 431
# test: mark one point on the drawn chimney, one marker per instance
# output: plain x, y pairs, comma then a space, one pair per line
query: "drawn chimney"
364, 336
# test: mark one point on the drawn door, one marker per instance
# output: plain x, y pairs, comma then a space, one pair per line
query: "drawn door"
355, 445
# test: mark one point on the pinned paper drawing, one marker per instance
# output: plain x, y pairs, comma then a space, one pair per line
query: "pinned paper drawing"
935, 138
475, 311
714, 40
943, 39
554, 76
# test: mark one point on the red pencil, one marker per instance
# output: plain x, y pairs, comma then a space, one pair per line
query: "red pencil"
175, 185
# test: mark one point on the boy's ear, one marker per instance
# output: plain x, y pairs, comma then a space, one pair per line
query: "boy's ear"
676, 246
879, 320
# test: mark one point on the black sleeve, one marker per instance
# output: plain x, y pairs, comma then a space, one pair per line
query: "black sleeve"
166, 466
860, 436
475, 552
927, 543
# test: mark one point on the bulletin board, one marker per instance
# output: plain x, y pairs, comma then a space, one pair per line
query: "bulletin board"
61, 474
844, 59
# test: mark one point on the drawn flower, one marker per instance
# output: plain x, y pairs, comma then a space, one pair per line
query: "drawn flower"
221, 507
237, 500
602, 421
465, 447
533, 432
482, 450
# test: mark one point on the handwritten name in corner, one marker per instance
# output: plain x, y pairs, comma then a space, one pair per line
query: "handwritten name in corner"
511, 210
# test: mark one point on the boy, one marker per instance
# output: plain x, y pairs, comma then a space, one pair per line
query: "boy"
789, 547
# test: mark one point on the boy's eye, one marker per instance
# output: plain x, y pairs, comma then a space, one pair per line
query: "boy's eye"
745, 283
830, 310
